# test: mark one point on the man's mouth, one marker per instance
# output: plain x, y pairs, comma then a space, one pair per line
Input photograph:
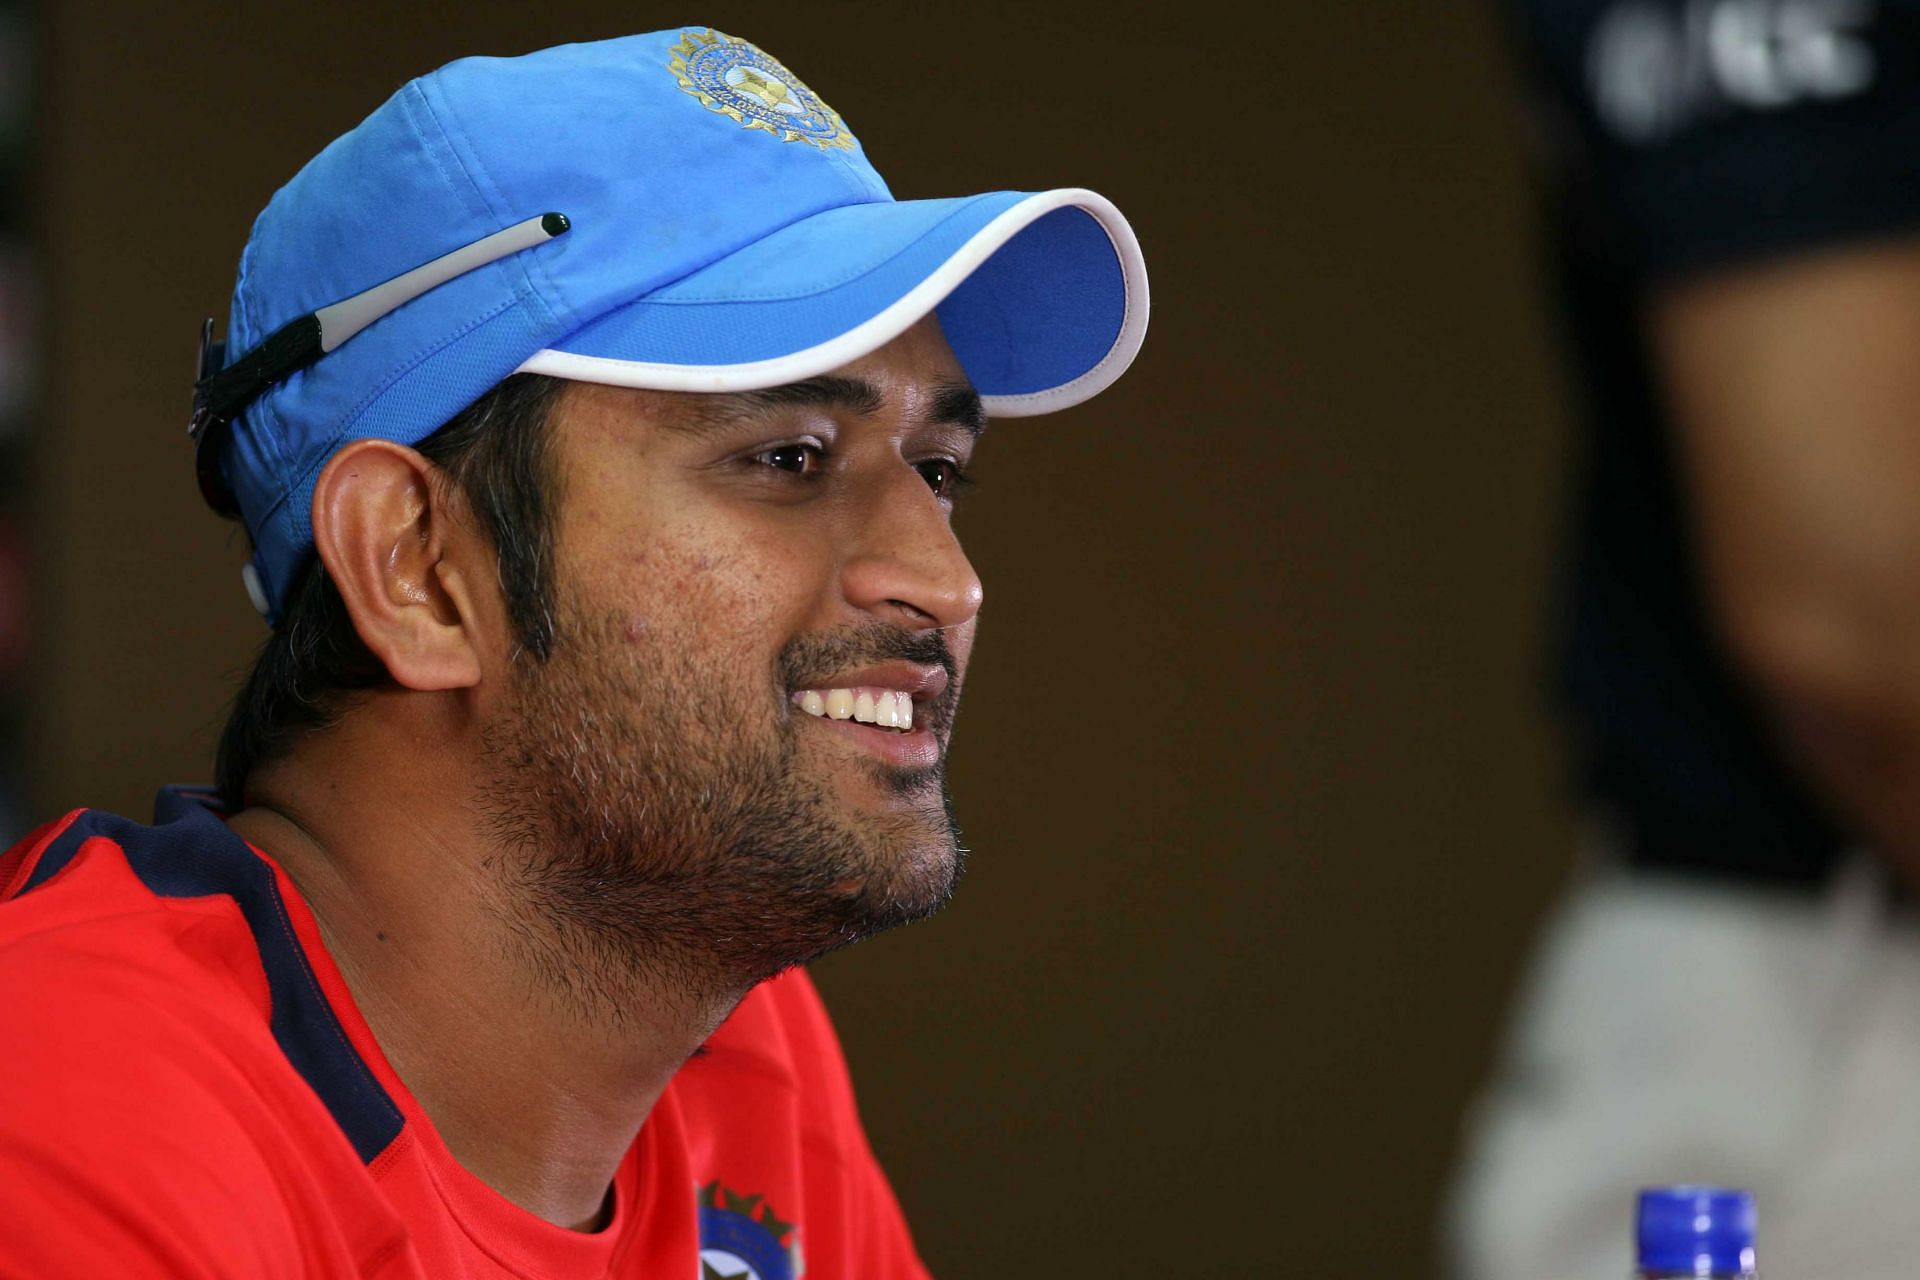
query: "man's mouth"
900, 699
881, 708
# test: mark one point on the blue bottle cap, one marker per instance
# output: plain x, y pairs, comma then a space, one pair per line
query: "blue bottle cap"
1696, 1231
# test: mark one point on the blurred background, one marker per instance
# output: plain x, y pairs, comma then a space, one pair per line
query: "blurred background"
1263, 800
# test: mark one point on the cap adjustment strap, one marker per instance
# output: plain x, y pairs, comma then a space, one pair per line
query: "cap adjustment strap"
221, 394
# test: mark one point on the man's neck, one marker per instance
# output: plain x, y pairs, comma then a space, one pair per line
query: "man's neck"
536, 1091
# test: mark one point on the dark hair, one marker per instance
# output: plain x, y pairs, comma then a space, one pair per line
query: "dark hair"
496, 452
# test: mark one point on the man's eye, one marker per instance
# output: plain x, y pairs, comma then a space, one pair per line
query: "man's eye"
943, 476
799, 459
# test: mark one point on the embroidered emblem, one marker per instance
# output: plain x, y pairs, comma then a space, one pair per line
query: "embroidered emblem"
742, 1238
737, 79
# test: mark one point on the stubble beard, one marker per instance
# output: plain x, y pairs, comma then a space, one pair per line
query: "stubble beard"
657, 828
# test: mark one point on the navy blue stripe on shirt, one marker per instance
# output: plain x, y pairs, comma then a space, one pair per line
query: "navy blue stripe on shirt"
190, 853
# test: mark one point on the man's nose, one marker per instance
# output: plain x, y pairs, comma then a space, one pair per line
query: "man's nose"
905, 565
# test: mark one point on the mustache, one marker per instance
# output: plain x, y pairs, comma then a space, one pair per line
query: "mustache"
811, 660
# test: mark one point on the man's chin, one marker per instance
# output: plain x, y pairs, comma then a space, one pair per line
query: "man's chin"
911, 882
927, 884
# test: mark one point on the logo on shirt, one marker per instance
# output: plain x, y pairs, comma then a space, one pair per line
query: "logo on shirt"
1657, 67
737, 79
742, 1238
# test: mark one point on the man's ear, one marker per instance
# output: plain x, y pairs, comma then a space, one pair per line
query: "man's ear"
388, 537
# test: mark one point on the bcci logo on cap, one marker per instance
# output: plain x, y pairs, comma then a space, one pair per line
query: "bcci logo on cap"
736, 79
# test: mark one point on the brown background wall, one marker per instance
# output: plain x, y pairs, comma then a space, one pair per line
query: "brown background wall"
1261, 799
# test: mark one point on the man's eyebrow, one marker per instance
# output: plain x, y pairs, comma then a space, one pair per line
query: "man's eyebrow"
958, 404
954, 403
717, 412
828, 391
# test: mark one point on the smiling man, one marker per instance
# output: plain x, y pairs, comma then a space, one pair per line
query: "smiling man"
596, 418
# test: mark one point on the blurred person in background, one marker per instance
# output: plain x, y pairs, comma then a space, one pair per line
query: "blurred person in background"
1730, 991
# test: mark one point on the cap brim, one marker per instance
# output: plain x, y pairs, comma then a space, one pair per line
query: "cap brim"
1043, 298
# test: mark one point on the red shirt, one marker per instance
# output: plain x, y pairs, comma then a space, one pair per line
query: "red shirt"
187, 1090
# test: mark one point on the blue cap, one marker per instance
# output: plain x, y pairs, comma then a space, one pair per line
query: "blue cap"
1696, 1231
675, 211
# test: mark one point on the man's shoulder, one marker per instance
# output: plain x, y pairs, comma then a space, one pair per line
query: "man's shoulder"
149, 1104
150, 972
115, 995
80, 927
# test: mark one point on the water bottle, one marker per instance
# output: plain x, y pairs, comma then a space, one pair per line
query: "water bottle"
1695, 1232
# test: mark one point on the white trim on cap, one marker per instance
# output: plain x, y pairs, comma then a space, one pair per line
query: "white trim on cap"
896, 319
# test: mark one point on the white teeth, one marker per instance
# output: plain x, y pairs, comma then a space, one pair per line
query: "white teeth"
887, 708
